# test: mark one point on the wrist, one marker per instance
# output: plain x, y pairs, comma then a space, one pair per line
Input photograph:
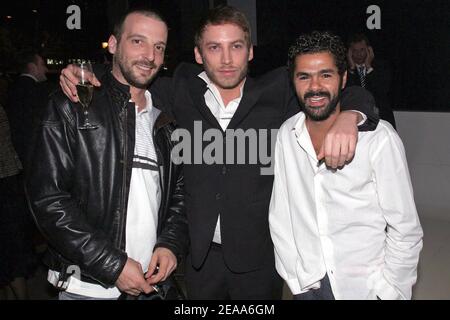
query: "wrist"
353, 116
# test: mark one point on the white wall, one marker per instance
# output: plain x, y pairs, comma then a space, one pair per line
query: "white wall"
426, 137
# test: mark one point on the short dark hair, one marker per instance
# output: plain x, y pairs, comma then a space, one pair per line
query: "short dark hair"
222, 15
25, 57
317, 42
118, 27
357, 37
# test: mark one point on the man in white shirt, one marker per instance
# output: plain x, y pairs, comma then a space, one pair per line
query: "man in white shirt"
231, 254
352, 233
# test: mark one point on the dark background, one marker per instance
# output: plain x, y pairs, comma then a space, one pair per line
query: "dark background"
414, 36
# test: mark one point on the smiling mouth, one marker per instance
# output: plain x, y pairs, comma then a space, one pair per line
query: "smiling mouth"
145, 68
316, 101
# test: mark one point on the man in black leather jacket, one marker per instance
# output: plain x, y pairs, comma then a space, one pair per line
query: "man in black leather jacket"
110, 201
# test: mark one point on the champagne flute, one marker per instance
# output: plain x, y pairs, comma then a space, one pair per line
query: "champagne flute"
85, 91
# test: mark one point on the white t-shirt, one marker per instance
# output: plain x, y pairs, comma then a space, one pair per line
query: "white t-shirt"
143, 205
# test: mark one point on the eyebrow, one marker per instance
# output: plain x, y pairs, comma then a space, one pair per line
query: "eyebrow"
139, 36
218, 43
303, 73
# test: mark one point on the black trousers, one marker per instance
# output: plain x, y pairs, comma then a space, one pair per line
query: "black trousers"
215, 281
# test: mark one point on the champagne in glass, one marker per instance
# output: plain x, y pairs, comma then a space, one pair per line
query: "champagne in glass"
85, 91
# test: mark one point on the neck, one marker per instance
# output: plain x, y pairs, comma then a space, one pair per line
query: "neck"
138, 97
228, 95
137, 94
318, 129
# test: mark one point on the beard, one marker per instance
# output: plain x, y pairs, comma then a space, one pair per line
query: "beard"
126, 68
321, 113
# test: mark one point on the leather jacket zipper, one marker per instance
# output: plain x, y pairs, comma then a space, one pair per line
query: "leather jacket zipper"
124, 173
161, 177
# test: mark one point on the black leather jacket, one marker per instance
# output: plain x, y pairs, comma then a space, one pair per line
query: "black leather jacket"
79, 182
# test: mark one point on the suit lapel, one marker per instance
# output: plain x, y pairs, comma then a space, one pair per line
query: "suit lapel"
249, 99
197, 88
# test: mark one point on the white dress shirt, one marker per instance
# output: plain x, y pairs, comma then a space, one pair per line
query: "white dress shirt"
359, 225
223, 114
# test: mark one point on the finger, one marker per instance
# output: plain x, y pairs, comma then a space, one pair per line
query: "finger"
328, 148
95, 81
163, 264
343, 154
321, 154
171, 266
71, 75
65, 89
152, 266
336, 150
70, 83
68, 92
133, 292
351, 149
145, 287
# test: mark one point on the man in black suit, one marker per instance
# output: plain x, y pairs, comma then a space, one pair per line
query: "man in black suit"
231, 254
373, 75
27, 96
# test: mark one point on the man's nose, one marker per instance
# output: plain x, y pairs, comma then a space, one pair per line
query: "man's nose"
315, 84
226, 56
150, 53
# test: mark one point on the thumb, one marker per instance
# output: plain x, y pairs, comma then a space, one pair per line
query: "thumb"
95, 82
152, 267
321, 154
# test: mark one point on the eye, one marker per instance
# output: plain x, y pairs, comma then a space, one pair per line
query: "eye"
238, 46
160, 48
136, 41
327, 75
213, 48
302, 77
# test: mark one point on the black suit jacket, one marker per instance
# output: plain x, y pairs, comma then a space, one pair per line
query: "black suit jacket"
238, 192
26, 101
378, 82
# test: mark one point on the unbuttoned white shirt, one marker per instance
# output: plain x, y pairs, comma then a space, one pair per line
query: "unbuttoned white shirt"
223, 114
359, 225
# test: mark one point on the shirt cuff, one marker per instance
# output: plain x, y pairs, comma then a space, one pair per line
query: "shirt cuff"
296, 289
363, 121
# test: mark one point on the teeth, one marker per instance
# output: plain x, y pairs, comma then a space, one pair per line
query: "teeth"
144, 67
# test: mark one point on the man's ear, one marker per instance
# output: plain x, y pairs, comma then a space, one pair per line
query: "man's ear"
112, 44
198, 56
250, 55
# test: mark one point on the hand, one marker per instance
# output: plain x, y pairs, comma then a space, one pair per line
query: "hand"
351, 63
339, 145
369, 58
131, 280
69, 79
163, 259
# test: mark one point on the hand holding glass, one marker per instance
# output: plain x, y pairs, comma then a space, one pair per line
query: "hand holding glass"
85, 92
